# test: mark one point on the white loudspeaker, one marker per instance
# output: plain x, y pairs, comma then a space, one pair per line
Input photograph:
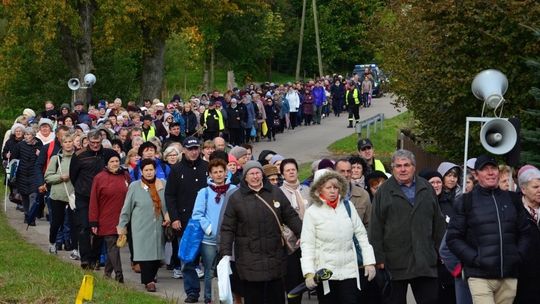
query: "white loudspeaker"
490, 86
89, 79
74, 84
498, 136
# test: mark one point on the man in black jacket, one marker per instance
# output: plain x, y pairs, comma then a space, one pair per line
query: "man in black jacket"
489, 234
84, 166
185, 180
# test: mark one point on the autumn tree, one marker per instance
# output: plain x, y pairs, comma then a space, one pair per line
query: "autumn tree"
433, 50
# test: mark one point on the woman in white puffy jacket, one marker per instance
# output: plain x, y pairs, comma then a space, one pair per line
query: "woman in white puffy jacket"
327, 241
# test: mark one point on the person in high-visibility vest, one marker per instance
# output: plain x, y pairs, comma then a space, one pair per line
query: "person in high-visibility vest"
367, 152
148, 130
352, 100
212, 121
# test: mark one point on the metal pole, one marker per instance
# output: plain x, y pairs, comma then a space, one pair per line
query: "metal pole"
299, 57
317, 41
465, 152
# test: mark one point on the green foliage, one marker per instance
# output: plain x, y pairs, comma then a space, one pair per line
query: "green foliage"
433, 50
384, 140
530, 132
28, 275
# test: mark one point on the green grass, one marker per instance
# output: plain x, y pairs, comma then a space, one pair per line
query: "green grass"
383, 140
29, 275
304, 171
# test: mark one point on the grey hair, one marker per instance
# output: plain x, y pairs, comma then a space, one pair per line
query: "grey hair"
402, 153
30, 130
94, 134
527, 176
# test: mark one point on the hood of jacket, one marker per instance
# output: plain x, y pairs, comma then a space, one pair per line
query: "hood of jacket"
314, 193
444, 167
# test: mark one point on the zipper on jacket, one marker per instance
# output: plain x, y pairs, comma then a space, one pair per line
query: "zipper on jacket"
500, 231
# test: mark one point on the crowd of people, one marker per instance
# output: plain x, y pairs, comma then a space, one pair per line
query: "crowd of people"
134, 173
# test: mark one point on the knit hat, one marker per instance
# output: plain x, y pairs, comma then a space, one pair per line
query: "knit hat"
65, 106
238, 152
110, 155
252, 164
29, 113
232, 159
325, 163
276, 158
429, 174
527, 173
270, 170
45, 121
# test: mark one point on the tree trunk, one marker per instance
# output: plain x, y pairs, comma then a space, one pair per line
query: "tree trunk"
212, 62
77, 52
153, 66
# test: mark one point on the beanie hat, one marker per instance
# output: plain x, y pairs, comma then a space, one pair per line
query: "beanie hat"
527, 173
429, 174
252, 164
232, 159
270, 170
238, 152
276, 158
29, 113
65, 106
110, 155
325, 163
45, 121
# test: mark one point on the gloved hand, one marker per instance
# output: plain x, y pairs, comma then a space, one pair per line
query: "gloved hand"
369, 272
310, 281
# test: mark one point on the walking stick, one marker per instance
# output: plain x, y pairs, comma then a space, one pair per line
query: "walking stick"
6, 188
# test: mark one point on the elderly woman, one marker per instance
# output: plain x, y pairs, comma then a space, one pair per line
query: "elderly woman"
27, 152
528, 290
327, 241
210, 200
145, 207
57, 176
109, 189
15, 137
171, 155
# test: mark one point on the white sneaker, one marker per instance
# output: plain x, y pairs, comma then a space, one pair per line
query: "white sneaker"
74, 255
177, 274
200, 273
52, 249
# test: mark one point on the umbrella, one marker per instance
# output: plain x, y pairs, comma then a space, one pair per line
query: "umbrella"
321, 275
32, 213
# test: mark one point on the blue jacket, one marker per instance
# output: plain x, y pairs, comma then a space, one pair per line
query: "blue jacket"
250, 115
207, 212
319, 96
178, 118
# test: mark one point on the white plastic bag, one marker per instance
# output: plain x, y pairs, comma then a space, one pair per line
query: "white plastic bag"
224, 283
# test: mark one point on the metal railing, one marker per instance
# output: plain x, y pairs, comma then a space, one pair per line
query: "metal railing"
367, 123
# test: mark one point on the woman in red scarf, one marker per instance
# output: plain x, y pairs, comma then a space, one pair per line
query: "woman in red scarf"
327, 241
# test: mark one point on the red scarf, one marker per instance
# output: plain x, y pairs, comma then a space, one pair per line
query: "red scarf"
332, 204
219, 190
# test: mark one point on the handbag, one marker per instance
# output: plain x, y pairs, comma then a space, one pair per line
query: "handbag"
190, 244
288, 238
358, 250
71, 196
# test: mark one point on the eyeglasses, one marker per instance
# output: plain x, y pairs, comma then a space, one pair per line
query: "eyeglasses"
365, 148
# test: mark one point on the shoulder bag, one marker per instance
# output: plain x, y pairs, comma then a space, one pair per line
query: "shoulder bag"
71, 196
288, 238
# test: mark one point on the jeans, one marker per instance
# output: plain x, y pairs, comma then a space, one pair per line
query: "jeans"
208, 254
318, 112
192, 286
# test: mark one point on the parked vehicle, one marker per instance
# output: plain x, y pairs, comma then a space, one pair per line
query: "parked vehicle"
373, 69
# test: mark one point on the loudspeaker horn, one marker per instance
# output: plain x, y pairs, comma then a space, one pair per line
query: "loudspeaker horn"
74, 84
490, 86
89, 79
498, 136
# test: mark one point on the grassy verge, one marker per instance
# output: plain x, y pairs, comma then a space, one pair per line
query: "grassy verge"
384, 140
28, 275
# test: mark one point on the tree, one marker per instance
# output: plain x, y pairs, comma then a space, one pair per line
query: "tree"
531, 131
433, 50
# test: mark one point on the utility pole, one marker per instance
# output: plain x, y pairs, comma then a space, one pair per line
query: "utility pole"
299, 58
319, 59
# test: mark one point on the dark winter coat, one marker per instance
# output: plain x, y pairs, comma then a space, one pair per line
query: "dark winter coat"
307, 104
185, 180
488, 234
86, 164
10, 146
248, 224
191, 122
27, 181
530, 268
406, 238
235, 116
271, 114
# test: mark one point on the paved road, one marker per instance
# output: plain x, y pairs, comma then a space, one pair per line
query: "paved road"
307, 144
304, 143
